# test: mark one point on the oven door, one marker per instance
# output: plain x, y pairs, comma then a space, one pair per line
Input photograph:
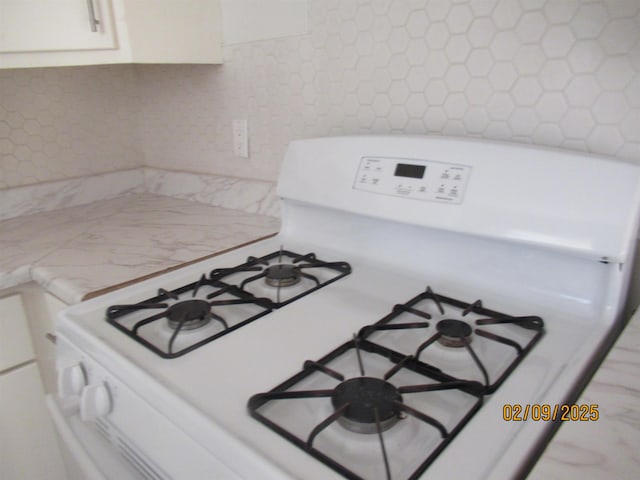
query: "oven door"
86, 454
101, 450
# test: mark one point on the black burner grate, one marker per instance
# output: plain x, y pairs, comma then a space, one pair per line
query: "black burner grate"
184, 314
510, 337
195, 314
367, 389
285, 272
380, 402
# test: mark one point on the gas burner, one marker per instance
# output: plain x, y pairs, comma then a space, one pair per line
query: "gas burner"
488, 345
189, 314
282, 275
453, 333
270, 276
178, 321
225, 301
371, 404
367, 389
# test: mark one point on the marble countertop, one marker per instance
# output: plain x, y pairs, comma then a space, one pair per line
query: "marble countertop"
77, 251
608, 448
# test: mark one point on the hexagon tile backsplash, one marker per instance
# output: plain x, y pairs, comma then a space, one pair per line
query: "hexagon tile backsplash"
58, 123
560, 73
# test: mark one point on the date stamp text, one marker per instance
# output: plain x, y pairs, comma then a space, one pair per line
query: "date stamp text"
516, 412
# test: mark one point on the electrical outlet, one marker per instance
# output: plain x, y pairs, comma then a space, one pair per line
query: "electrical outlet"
240, 138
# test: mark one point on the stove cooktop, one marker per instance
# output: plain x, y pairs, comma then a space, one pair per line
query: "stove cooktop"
389, 400
386, 403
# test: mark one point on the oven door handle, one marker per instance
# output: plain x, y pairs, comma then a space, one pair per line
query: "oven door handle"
81, 458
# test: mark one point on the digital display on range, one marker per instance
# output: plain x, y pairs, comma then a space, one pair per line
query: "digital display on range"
410, 171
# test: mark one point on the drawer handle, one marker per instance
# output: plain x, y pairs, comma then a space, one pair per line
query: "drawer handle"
93, 21
52, 338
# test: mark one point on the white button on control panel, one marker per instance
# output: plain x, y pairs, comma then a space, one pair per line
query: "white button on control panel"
413, 178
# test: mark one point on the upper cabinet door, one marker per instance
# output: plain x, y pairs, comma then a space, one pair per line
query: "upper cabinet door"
56, 25
49, 33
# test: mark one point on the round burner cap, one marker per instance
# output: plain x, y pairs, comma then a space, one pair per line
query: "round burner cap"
365, 396
282, 275
191, 314
454, 333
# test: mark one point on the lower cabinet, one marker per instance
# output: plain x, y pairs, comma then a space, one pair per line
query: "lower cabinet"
28, 444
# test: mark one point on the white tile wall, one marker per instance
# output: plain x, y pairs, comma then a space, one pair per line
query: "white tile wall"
58, 123
560, 73
552, 72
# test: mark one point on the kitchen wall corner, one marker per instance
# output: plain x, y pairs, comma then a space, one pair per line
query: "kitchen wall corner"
67, 122
47, 196
253, 196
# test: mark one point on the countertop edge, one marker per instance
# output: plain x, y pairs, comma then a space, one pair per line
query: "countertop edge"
133, 281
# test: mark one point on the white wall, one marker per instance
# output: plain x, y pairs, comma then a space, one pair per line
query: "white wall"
556, 72
58, 123
254, 20
553, 72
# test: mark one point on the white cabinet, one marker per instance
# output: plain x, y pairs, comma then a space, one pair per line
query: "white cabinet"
40, 33
55, 25
15, 340
42, 310
28, 446
174, 31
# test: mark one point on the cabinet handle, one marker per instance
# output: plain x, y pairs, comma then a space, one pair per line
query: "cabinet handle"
93, 21
52, 338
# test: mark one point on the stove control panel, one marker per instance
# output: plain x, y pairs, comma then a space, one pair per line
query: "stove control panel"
412, 178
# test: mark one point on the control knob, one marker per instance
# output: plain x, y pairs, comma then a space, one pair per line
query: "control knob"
95, 402
71, 380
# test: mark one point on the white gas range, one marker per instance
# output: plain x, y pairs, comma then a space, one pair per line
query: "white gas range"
419, 289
